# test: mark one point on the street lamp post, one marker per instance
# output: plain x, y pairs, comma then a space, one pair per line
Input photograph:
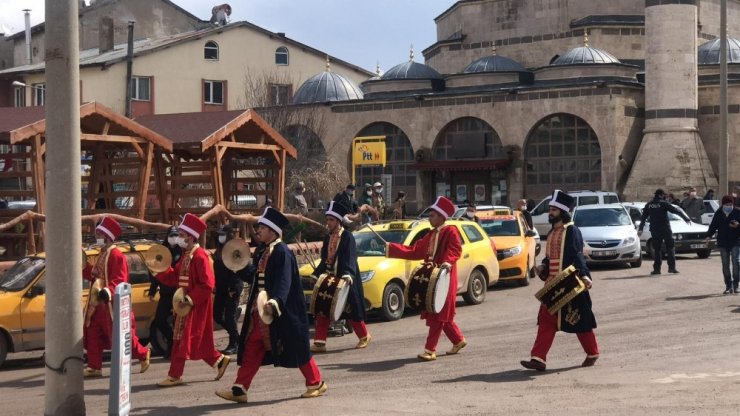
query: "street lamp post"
724, 140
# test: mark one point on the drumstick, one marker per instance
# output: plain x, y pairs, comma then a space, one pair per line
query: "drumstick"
378, 235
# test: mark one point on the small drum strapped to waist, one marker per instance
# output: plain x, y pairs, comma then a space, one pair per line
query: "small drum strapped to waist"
428, 287
329, 296
560, 290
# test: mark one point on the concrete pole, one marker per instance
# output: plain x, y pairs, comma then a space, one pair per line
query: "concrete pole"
724, 140
64, 391
129, 67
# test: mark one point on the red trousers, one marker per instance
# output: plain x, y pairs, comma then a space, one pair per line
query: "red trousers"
252, 361
322, 328
99, 338
452, 331
548, 326
177, 361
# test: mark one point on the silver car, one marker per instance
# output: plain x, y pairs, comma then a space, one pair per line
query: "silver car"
609, 235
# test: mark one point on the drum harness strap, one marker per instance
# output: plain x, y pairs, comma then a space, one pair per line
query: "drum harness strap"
261, 267
433, 245
99, 271
331, 257
183, 282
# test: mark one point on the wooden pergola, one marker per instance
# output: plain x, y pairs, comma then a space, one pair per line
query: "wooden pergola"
231, 158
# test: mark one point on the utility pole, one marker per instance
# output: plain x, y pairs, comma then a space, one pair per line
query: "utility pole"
129, 67
724, 140
64, 390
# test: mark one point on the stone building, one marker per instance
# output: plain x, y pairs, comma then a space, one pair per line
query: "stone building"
518, 98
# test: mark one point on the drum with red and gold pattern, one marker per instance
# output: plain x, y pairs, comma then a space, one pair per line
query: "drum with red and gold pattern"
560, 290
427, 289
329, 296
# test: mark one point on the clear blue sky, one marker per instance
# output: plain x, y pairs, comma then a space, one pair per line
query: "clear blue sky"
359, 31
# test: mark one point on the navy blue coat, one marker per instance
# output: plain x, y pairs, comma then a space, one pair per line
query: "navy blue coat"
572, 254
346, 264
727, 237
289, 331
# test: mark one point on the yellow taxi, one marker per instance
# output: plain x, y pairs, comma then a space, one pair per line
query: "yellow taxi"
515, 244
23, 298
384, 279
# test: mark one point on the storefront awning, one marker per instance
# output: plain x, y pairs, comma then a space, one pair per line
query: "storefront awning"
450, 165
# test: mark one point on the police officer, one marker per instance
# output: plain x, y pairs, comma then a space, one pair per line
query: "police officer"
656, 211
229, 286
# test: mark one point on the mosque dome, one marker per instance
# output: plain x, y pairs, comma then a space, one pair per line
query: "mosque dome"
709, 52
411, 70
494, 63
585, 55
327, 86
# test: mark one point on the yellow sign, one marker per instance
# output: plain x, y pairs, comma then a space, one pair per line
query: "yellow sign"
369, 151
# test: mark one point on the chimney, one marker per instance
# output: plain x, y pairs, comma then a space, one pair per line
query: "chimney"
105, 34
27, 13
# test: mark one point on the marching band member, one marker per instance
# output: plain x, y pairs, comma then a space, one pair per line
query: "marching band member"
441, 246
339, 256
284, 342
111, 267
564, 248
193, 333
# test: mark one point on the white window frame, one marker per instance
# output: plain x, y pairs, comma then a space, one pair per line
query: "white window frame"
135, 81
208, 46
39, 94
282, 50
208, 95
19, 96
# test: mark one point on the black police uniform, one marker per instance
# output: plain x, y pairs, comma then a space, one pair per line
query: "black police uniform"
660, 229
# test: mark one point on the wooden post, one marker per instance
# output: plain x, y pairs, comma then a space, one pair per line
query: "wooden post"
31, 239
283, 168
161, 184
218, 178
144, 180
38, 174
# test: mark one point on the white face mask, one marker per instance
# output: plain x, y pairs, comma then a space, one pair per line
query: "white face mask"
222, 239
369, 193
100, 241
172, 241
692, 194
181, 242
379, 190
470, 214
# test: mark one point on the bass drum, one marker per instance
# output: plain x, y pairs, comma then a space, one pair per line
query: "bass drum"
428, 287
329, 297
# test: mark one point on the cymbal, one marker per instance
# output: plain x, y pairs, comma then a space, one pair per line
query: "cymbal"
235, 254
262, 299
179, 309
158, 258
97, 286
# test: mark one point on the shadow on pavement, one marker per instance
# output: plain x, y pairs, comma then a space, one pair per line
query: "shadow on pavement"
31, 362
202, 409
389, 365
639, 276
508, 376
736, 310
697, 297
36, 380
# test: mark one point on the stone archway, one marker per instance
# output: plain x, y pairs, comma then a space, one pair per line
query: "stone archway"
562, 151
311, 151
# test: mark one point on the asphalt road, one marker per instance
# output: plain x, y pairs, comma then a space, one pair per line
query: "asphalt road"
668, 347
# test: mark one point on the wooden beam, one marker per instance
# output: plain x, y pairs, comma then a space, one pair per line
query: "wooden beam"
111, 138
38, 174
282, 172
144, 183
251, 146
140, 151
106, 127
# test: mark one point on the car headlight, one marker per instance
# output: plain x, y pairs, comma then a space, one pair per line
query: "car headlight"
629, 240
678, 236
366, 276
511, 252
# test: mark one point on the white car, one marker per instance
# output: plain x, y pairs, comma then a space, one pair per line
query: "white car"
609, 235
540, 212
688, 238
710, 207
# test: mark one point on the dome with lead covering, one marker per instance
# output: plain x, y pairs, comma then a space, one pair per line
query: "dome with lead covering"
585, 55
411, 70
709, 52
494, 63
325, 87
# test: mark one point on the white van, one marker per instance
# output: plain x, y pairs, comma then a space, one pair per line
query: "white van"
539, 213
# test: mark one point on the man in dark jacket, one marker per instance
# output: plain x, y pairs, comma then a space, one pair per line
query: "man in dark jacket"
229, 288
726, 223
656, 211
164, 306
347, 199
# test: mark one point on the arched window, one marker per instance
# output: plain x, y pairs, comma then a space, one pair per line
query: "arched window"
399, 158
210, 51
468, 138
281, 56
562, 152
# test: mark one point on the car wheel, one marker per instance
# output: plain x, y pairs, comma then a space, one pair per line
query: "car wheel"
477, 287
3, 348
703, 254
636, 264
158, 341
532, 273
393, 302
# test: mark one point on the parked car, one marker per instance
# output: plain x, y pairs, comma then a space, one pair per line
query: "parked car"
710, 207
384, 279
687, 238
23, 299
609, 235
539, 213
460, 212
515, 246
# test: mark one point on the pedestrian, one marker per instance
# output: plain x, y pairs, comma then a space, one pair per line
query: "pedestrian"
564, 249
193, 332
522, 207
164, 305
470, 212
399, 206
726, 224
378, 201
736, 195
339, 258
671, 199
110, 270
693, 206
229, 286
284, 342
709, 195
347, 199
297, 202
656, 211
442, 247
367, 199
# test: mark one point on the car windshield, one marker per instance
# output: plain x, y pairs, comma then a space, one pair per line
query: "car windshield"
500, 228
369, 245
20, 275
602, 217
